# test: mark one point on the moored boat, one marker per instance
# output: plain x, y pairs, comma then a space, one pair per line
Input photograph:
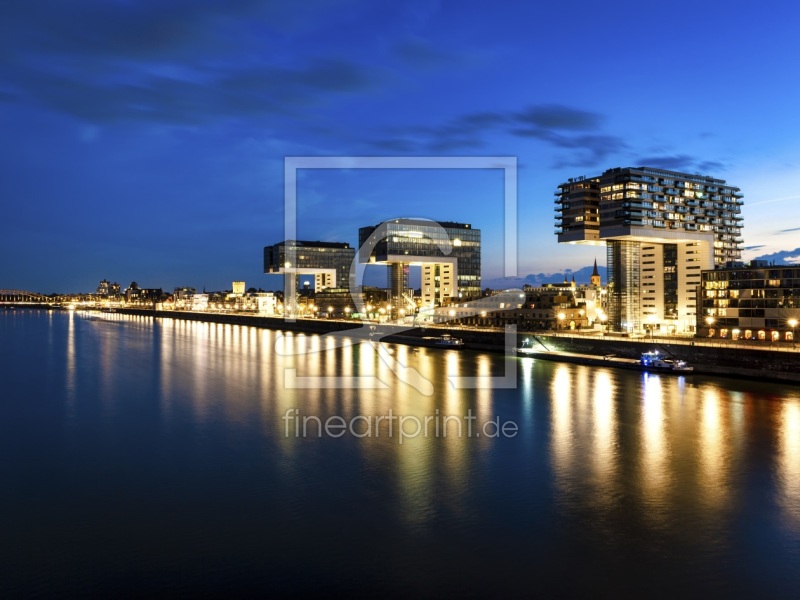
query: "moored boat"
653, 361
448, 341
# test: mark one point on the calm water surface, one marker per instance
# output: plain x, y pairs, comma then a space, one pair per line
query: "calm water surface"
144, 457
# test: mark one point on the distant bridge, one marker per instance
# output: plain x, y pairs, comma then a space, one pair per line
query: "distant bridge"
20, 296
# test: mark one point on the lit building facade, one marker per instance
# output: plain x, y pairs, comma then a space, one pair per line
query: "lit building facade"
446, 278
329, 262
760, 302
661, 230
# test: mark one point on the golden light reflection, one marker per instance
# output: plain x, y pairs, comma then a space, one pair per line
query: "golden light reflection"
604, 435
484, 394
561, 409
712, 449
425, 364
453, 400
200, 358
415, 479
654, 449
789, 461
71, 364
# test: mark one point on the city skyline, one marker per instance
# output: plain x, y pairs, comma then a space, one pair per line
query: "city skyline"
151, 148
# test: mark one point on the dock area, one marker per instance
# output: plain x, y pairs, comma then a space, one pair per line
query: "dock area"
582, 359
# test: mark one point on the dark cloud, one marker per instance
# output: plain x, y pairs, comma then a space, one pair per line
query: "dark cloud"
177, 29
789, 230
587, 150
114, 30
561, 127
171, 62
753, 247
681, 162
245, 93
711, 166
559, 117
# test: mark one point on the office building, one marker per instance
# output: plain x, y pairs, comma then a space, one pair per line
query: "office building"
757, 302
329, 262
448, 253
661, 229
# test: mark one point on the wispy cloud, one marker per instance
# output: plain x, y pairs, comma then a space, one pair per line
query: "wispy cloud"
166, 62
559, 117
681, 162
782, 256
560, 127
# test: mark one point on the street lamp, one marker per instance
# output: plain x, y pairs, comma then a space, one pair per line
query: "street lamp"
709, 322
561, 317
792, 324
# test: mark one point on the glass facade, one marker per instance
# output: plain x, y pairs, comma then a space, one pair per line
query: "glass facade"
624, 285
750, 303
311, 257
671, 272
413, 241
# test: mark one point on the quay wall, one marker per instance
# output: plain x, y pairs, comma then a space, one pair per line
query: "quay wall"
713, 359
775, 364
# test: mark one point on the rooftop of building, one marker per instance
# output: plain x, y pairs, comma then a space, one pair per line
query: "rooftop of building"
755, 264
309, 244
653, 172
429, 223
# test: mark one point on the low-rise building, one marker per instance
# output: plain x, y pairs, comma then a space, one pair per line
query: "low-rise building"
758, 302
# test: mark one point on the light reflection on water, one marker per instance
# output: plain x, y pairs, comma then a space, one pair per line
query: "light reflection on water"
789, 465
178, 426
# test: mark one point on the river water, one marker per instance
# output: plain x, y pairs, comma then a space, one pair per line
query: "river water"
144, 457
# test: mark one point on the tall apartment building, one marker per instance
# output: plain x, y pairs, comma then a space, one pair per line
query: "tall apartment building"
445, 277
661, 229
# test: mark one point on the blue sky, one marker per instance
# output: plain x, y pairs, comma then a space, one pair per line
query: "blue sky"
145, 140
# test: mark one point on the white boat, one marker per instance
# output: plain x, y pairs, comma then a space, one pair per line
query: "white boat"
653, 361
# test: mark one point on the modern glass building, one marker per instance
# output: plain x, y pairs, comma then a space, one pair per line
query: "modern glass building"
329, 262
661, 229
448, 252
757, 302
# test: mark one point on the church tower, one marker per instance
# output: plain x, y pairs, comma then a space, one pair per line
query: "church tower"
595, 279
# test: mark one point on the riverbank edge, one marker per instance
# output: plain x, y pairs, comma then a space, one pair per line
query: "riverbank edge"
748, 363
